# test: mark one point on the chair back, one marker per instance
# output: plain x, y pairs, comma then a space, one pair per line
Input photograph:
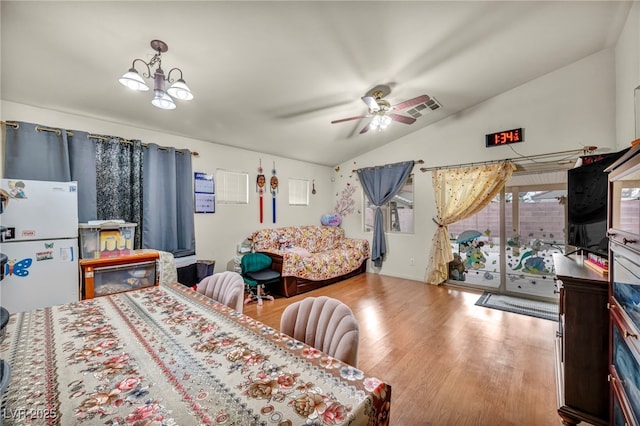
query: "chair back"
326, 324
252, 262
225, 287
5, 369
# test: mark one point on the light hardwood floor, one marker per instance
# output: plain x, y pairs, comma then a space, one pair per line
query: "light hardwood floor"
448, 361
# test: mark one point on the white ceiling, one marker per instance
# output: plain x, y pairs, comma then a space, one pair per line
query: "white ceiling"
271, 76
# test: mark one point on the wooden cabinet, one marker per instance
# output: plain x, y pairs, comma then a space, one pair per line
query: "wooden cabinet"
624, 289
101, 277
581, 342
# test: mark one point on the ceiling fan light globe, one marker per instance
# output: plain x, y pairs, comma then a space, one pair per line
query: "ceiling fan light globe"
180, 90
133, 81
380, 122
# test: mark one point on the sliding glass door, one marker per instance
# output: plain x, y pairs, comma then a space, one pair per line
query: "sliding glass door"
475, 243
508, 246
538, 231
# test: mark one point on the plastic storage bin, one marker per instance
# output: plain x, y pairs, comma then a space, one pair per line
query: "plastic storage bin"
106, 240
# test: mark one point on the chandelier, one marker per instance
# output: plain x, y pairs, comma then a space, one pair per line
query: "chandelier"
161, 98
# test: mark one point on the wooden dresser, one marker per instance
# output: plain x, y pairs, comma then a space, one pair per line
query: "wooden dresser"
581, 342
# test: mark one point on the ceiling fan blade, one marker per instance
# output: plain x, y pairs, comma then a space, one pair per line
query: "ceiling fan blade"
412, 102
371, 103
357, 117
402, 118
295, 111
365, 129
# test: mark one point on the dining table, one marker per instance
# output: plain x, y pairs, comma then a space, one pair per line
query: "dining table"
167, 355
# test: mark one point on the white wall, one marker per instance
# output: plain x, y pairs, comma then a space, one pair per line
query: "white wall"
564, 110
628, 78
216, 234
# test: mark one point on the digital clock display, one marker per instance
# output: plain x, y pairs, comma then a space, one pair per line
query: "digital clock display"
505, 137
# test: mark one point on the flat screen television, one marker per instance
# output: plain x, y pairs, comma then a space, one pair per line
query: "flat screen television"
587, 198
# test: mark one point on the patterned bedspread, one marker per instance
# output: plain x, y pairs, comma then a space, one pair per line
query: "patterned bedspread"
312, 252
169, 356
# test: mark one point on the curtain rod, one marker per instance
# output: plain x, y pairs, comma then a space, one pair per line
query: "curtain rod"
416, 161
70, 133
585, 151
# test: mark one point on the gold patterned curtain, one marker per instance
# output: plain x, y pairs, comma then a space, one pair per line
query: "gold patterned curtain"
460, 193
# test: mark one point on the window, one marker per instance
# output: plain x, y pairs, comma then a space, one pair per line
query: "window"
298, 192
232, 187
397, 213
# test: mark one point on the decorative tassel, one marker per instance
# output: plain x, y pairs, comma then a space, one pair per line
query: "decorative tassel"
260, 182
274, 190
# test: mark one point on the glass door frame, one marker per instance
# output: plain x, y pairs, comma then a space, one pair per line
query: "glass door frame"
503, 238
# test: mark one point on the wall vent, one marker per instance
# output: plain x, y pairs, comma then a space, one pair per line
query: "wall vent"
419, 110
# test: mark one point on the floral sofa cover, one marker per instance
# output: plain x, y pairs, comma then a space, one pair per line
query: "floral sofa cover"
320, 254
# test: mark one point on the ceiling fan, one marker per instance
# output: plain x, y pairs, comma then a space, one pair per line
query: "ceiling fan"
382, 111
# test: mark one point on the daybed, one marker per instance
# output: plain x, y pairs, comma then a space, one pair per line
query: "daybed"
309, 257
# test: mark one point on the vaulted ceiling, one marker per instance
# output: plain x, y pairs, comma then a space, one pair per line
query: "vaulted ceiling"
271, 76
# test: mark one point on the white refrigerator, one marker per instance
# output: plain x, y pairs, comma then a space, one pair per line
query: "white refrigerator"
38, 244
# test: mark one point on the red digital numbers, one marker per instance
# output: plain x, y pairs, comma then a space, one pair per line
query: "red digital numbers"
503, 138
506, 137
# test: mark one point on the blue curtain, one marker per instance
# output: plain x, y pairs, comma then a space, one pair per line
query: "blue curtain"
82, 161
109, 171
380, 185
168, 199
34, 152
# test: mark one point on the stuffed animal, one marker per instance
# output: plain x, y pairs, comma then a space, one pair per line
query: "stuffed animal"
456, 268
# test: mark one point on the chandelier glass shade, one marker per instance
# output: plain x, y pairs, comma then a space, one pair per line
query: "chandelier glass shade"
133, 81
180, 90
163, 101
162, 98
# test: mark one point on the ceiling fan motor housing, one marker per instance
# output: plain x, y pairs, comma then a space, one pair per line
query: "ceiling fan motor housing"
383, 105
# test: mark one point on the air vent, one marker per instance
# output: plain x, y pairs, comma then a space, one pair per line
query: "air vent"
419, 110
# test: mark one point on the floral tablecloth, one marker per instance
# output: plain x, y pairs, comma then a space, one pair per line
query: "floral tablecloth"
169, 356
